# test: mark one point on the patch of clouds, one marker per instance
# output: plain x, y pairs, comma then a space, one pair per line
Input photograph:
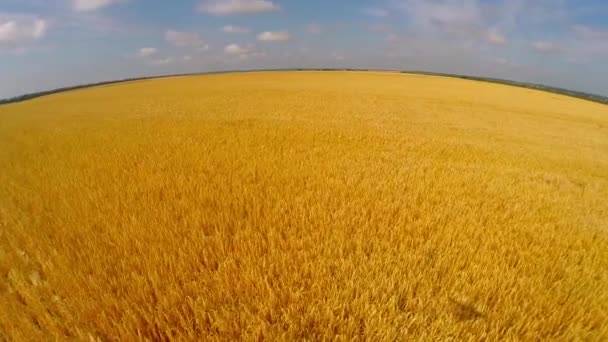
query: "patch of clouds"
147, 52
456, 36
235, 49
235, 29
92, 5
161, 61
18, 32
444, 16
232, 7
579, 44
270, 36
240, 51
170, 60
590, 40
468, 21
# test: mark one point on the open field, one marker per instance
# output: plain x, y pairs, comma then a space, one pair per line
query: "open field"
309, 205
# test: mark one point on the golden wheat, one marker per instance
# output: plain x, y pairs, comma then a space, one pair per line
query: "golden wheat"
304, 205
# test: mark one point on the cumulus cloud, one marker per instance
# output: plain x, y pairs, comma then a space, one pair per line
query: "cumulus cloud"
185, 39
235, 49
235, 29
231, 7
91, 5
147, 52
475, 23
39, 30
242, 52
270, 36
17, 32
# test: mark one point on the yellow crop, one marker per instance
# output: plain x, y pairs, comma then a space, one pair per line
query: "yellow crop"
304, 205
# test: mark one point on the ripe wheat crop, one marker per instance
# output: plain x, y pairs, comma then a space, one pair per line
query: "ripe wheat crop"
304, 205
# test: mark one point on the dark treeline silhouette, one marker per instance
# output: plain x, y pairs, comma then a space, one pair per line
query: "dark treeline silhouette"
555, 90
30, 96
560, 91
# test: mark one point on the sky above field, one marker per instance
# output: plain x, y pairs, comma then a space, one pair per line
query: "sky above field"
46, 44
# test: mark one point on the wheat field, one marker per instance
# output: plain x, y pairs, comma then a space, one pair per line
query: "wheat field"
304, 206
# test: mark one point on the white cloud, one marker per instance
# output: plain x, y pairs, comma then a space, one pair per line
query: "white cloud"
242, 52
230, 7
474, 23
314, 28
460, 17
269, 36
546, 47
18, 32
161, 61
235, 29
147, 52
185, 39
9, 33
235, 49
91, 5
40, 27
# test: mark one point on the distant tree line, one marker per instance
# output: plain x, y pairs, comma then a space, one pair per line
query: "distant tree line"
560, 91
30, 96
555, 90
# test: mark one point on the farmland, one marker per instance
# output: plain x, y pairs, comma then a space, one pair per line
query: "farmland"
304, 205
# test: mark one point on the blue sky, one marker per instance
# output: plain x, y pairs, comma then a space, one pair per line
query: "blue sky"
46, 44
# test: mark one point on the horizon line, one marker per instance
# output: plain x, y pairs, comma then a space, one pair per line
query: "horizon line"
535, 86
